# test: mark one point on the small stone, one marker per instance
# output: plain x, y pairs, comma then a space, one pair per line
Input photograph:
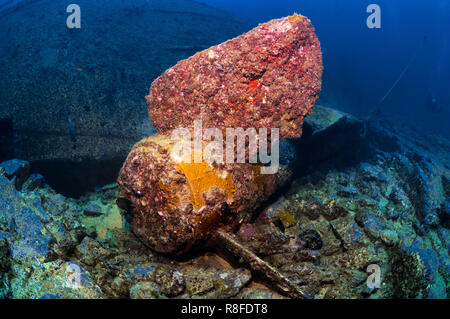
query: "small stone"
347, 191
229, 282
348, 232
171, 282
333, 211
357, 277
432, 220
259, 293
311, 239
121, 286
58, 280
33, 238
389, 237
16, 170
5, 258
144, 272
93, 210
370, 222
145, 290
312, 209
33, 182
199, 281
246, 232
5, 236
392, 214
90, 252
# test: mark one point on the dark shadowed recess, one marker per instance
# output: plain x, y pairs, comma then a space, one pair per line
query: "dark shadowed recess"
76, 178
6, 139
343, 145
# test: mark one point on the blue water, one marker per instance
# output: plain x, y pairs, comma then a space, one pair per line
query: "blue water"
362, 64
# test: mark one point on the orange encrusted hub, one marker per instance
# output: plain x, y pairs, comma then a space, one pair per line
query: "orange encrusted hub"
175, 206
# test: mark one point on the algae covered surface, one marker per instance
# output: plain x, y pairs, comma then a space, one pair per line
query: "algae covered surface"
383, 201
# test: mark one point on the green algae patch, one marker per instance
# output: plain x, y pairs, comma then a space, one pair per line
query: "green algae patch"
110, 220
286, 218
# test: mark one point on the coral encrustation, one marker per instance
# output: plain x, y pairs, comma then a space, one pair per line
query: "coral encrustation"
269, 77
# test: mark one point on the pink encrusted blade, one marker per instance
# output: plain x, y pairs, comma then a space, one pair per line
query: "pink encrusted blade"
269, 77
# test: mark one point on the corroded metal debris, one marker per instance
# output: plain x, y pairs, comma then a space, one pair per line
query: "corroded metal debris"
176, 205
257, 264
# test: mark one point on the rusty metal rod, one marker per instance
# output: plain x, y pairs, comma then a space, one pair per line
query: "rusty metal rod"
228, 241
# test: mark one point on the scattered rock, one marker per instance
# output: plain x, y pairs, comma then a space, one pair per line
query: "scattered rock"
333, 211
397, 219
331, 244
145, 290
311, 239
372, 224
17, 171
10, 203
432, 220
171, 282
144, 272
392, 215
55, 280
262, 239
349, 233
372, 173
121, 287
93, 210
32, 238
33, 182
259, 293
5, 258
90, 252
228, 283
347, 191
389, 237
